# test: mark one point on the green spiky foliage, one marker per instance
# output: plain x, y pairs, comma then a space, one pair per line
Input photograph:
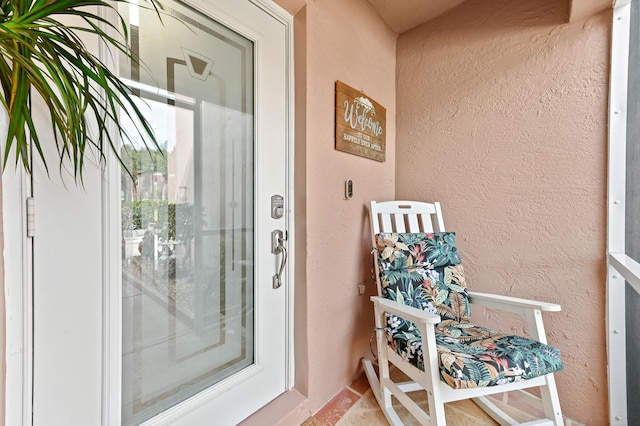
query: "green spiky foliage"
40, 57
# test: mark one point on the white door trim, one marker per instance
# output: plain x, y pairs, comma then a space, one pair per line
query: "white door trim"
17, 293
112, 272
287, 20
616, 206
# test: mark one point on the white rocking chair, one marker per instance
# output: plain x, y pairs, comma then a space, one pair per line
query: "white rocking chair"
423, 328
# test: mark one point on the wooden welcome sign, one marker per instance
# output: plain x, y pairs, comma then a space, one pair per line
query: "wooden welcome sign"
360, 123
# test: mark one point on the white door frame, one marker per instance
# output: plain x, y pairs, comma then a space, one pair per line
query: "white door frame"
617, 269
18, 294
18, 275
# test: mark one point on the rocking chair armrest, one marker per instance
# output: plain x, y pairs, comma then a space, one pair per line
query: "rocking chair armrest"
409, 313
512, 304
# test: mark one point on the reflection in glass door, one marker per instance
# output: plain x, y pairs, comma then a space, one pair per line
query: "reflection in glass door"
187, 211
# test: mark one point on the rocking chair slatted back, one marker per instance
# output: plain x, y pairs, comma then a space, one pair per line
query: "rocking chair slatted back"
406, 216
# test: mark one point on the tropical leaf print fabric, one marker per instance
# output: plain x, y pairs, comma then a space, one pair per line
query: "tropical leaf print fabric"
425, 271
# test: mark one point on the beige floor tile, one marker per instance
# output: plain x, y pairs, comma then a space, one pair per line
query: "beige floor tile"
460, 413
364, 412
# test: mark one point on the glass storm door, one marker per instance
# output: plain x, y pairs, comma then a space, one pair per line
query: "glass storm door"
192, 267
154, 298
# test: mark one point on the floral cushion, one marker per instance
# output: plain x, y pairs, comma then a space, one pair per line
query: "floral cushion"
424, 271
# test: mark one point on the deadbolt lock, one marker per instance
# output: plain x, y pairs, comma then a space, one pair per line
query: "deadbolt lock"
277, 206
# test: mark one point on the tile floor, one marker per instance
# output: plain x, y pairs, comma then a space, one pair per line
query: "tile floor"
355, 405
337, 408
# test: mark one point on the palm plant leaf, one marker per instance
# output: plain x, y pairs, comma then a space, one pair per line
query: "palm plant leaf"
40, 57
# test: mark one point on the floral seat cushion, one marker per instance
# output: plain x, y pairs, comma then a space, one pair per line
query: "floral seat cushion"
425, 271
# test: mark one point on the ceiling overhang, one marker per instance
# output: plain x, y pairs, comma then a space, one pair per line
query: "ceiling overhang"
403, 15
582, 9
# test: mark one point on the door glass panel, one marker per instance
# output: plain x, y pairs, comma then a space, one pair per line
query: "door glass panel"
187, 211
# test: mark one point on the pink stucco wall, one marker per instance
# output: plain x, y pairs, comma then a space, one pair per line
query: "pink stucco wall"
346, 41
502, 116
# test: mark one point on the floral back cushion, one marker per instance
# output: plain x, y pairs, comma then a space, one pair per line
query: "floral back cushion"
423, 271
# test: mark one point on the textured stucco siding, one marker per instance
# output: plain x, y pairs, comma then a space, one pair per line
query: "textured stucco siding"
502, 116
346, 41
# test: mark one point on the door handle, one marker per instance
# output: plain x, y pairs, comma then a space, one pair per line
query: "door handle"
277, 247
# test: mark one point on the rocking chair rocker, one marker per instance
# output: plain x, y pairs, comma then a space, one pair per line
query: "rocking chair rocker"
423, 326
